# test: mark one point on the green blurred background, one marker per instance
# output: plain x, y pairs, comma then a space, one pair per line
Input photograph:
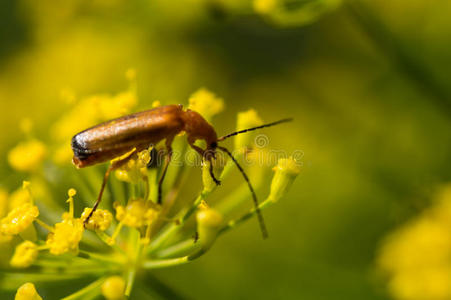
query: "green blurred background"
367, 84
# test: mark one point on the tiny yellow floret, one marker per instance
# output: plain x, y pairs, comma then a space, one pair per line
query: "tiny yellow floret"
135, 214
65, 237
286, 170
27, 156
19, 219
27, 291
24, 255
100, 220
247, 119
209, 222
206, 103
135, 169
113, 288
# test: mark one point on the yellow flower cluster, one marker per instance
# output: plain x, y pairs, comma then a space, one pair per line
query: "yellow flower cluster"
65, 237
135, 169
19, 219
100, 220
417, 257
156, 235
206, 103
136, 213
27, 156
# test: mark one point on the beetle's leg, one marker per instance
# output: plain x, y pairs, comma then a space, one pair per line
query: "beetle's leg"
205, 155
212, 174
114, 165
166, 165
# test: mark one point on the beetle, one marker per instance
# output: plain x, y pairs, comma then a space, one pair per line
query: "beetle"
128, 135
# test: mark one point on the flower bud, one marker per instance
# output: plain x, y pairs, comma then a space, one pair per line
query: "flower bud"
246, 119
286, 171
209, 222
208, 182
27, 291
113, 288
24, 255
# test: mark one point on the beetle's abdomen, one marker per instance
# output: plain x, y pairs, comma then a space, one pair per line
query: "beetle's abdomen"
116, 137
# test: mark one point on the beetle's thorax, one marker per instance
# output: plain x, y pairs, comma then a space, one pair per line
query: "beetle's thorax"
197, 128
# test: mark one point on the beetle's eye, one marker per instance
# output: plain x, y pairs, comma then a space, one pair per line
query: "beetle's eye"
214, 145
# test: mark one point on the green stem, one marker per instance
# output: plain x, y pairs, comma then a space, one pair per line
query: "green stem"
113, 259
87, 289
163, 263
268, 202
182, 248
130, 281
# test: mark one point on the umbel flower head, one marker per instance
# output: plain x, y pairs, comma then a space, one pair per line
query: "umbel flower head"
416, 258
130, 233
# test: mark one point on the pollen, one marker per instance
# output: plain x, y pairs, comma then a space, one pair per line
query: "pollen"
65, 237
135, 214
113, 288
27, 156
100, 219
19, 219
27, 291
206, 103
24, 255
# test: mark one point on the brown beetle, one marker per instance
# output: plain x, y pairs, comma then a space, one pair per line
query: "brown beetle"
136, 132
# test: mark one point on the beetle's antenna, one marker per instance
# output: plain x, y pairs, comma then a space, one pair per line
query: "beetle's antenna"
254, 128
254, 196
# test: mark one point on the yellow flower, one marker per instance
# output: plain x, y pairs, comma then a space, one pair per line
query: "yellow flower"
417, 256
206, 103
135, 169
265, 6
135, 214
27, 156
24, 255
65, 237
27, 291
246, 119
209, 222
287, 170
113, 288
19, 219
100, 219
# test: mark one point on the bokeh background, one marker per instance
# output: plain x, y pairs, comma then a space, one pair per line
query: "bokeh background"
366, 81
